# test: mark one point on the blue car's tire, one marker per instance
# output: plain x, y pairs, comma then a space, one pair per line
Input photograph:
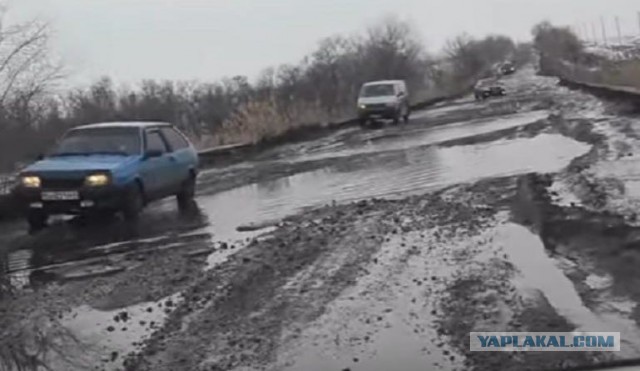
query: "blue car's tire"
37, 221
187, 193
133, 204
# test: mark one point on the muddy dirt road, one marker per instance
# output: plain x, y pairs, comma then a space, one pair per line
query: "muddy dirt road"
370, 249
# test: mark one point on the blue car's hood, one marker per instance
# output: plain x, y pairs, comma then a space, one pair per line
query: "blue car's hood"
80, 163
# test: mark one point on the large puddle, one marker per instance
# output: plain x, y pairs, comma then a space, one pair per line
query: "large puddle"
409, 136
391, 174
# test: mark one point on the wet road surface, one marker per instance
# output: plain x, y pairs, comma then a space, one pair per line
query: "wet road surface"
393, 161
390, 313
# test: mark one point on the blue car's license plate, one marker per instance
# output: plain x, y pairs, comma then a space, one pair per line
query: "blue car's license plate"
60, 196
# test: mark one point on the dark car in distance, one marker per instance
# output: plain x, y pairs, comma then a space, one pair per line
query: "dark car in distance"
487, 88
507, 68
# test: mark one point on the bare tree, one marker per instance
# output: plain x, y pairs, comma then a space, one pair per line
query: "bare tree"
26, 67
27, 74
557, 42
473, 58
398, 51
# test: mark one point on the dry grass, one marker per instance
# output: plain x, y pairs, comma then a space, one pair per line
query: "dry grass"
625, 73
260, 120
616, 73
266, 119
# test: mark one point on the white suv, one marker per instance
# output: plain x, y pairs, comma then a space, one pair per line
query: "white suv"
388, 99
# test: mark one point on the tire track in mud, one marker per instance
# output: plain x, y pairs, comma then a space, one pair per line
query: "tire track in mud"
385, 320
262, 291
253, 319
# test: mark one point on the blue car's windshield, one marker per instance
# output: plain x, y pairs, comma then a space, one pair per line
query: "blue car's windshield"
118, 141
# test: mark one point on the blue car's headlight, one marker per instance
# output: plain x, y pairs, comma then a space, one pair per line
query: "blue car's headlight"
97, 180
31, 181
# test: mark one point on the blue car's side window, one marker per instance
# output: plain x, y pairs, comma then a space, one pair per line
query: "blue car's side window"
156, 168
175, 140
182, 152
155, 142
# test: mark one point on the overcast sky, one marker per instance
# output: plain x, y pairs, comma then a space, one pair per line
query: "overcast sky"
129, 40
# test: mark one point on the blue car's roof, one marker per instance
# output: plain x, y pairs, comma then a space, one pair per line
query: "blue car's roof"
124, 124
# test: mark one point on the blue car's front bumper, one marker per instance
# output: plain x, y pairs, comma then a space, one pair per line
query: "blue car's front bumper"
106, 198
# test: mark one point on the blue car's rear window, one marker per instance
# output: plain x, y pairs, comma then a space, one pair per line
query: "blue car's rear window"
117, 141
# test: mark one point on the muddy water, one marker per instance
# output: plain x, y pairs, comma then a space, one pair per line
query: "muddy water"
411, 136
110, 340
538, 271
392, 174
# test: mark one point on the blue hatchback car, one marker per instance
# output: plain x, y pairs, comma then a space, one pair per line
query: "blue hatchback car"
110, 167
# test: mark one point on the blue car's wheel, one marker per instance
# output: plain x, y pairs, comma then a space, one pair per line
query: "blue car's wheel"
186, 194
134, 203
37, 220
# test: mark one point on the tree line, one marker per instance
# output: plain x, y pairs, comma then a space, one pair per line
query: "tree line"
321, 88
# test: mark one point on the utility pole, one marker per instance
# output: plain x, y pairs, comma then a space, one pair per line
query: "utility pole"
638, 21
585, 29
595, 34
581, 33
604, 30
618, 28
578, 31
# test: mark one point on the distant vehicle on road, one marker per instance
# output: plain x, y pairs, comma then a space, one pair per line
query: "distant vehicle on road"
507, 68
109, 168
388, 99
487, 88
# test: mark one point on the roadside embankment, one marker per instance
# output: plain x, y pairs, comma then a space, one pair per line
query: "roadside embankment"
609, 79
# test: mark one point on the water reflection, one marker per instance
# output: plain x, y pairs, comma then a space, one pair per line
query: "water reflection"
412, 136
76, 248
266, 189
